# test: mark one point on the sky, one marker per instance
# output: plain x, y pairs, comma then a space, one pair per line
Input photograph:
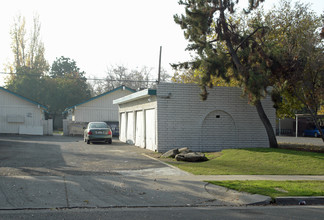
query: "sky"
98, 34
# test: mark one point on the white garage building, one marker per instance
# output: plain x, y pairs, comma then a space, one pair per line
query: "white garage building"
19, 115
174, 116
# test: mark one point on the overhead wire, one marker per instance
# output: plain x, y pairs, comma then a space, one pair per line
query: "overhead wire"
114, 80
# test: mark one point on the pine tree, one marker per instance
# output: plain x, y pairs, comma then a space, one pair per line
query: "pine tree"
223, 44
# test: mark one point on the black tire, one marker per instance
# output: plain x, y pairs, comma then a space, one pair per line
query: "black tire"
88, 141
109, 141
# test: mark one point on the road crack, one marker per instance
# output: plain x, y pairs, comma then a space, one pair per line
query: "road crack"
66, 193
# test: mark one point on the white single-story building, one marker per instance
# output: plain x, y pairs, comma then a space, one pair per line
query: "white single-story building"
98, 108
174, 116
20, 115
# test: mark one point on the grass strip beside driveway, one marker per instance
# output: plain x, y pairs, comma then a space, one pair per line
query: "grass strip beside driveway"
256, 161
275, 188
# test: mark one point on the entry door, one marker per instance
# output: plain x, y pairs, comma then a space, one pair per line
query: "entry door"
122, 127
150, 129
139, 131
130, 128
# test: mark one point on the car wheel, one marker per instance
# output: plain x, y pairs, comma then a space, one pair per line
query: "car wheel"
109, 141
315, 134
88, 141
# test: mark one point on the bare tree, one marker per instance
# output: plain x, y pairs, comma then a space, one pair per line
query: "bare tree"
29, 52
18, 36
135, 78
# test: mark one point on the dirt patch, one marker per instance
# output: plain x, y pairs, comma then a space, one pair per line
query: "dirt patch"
209, 155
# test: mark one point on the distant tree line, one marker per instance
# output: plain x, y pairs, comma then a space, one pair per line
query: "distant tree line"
61, 84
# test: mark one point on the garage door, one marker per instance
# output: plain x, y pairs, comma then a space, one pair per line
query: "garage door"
122, 135
130, 128
139, 131
218, 131
150, 129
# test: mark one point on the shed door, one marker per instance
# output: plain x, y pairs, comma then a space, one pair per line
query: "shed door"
139, 131
218, 131
130, 128
150, 129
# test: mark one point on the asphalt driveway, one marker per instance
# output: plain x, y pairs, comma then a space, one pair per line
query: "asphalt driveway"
45, 172
63, 156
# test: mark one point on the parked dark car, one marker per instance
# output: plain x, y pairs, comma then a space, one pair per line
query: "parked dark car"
114, 126
313, 132
97, 132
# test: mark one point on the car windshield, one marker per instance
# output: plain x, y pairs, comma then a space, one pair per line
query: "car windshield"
98, 125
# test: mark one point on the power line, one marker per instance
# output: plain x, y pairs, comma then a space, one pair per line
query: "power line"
90, 79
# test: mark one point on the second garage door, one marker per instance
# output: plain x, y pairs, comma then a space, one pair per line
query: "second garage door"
130, 128
139, 139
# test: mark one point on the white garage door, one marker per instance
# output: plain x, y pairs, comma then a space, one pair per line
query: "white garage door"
130, 128
150, 129
139, 140
122, 135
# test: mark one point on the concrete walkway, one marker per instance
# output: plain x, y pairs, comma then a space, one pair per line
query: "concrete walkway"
254, 177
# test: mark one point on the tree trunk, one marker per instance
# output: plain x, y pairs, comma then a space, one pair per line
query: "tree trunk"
265, 120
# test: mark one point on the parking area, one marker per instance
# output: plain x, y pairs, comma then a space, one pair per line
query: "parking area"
65, 155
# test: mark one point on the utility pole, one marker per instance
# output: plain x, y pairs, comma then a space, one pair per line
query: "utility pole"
159, 73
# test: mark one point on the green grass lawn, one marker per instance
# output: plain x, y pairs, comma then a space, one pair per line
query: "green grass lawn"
257, 161
276, 188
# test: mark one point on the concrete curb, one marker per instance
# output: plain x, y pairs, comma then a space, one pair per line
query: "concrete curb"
234, 197
300, 200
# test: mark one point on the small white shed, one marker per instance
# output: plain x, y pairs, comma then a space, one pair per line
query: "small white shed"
174, 116
20, 115
99, 108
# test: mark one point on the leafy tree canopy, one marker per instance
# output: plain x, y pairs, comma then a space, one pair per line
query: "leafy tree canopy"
69, 85
65, 67
298, 53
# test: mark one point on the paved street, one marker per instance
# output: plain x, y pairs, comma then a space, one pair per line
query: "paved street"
180, 213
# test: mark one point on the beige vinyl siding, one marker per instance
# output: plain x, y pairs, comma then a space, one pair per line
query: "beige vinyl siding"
100, 109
